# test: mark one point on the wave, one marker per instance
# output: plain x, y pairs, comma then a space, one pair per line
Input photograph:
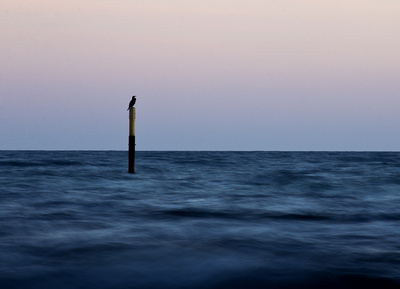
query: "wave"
124, 277
43, 163
244, 215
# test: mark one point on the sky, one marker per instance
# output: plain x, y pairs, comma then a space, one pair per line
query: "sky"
269, 75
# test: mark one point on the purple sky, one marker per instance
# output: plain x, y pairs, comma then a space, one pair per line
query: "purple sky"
208, 75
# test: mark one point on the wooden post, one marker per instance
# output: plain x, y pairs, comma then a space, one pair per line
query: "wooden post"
132, 144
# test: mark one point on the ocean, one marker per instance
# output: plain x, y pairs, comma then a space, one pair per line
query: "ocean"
77, 219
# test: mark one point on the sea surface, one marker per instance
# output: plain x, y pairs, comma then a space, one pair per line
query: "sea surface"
77, 219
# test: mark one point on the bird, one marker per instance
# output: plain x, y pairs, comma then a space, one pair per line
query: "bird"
132, 102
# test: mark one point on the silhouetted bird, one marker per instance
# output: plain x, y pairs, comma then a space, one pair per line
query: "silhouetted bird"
132, 102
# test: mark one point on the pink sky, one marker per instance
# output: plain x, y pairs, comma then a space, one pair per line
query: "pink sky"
209, 75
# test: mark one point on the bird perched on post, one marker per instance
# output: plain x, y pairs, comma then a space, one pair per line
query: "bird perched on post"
132, 102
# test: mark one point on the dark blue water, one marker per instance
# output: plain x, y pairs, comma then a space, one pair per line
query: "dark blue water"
199, 220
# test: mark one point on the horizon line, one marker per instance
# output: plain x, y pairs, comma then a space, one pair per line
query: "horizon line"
169, 150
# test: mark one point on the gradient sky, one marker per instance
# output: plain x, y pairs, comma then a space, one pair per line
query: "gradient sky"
208, 75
